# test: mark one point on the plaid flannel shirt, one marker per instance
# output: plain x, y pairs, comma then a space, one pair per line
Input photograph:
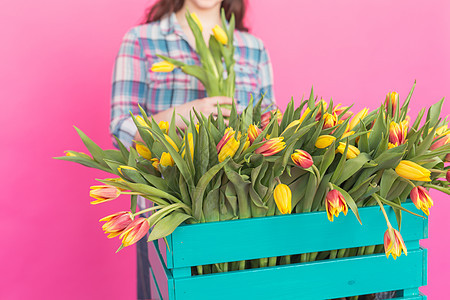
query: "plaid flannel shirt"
133, 83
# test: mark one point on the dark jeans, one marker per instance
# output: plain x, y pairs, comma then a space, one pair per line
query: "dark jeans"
143, 270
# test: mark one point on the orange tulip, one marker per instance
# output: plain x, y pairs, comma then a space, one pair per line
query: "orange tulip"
266, 117
228, 145
253, 132
447, 175
135, 231
103, 193
391, 101
116, 223
339, 109
393, 243
334, 204
421, 199
271, 146
330, 120
440, 141
398, 133
302, 159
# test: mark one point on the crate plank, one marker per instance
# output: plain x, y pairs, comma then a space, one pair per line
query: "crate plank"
315, 280
285, 235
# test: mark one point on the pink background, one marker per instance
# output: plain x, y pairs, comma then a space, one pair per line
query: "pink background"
56, 61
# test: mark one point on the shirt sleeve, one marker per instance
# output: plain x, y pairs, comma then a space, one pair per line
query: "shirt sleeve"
129, 88
266, 80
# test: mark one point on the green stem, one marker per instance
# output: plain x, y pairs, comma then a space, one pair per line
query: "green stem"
361, 250
333, 254
200, 270
369, 250
341, 253
146, 210
313, 256
272, 261
242, 265
263, 262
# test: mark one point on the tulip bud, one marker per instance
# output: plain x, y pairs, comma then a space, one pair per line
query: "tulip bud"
421, 199
164, 126
141, 121
155, 163
357, 118
166, 160
410, 170
391, 101
229, 149
321, 110
253, 132
197, 21
116, 223
347, 134
143, 151
393, 243
191, 145
303, 116
398, 133
103, 193
229, 133
266, 117
302, 159
442, 130
334, 204
339, 109
352, 151
440, 141
220, 34
283, 198
324, 141
163, 67
330, 120
135, 231
447, 175
171, 142
271, 146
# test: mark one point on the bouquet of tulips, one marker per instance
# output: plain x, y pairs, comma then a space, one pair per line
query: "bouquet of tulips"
314, 157
219, 52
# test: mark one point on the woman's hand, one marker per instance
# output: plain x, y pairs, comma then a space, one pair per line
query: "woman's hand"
206, 106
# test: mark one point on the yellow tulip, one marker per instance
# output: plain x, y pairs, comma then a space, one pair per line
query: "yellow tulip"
324, 141
163, 66
392, 101
171, 142
357, 118
229, 148
220, 34
352, 151
164, 126
347, 134
410, 170
155, 163
191, 145
197, 21
283, 198
141, 121
166, 160
302, 118
143, 151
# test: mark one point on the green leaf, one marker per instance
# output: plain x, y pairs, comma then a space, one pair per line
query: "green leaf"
133, 203
197, 199
311, 101
96, 152
388, 178
352, 166
167, 225
87, 162
404, 109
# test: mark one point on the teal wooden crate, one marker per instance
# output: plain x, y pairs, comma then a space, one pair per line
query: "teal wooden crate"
218, 242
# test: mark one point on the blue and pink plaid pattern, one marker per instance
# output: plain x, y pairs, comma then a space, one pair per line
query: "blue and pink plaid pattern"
134, 83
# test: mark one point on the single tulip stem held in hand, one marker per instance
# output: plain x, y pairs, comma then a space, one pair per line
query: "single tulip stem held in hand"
146, 210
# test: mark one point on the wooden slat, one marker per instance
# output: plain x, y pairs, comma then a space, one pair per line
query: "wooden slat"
316, 280
216, 242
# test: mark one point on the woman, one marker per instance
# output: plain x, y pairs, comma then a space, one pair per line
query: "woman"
166, 32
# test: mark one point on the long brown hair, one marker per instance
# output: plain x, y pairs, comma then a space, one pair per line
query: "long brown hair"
163, 7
